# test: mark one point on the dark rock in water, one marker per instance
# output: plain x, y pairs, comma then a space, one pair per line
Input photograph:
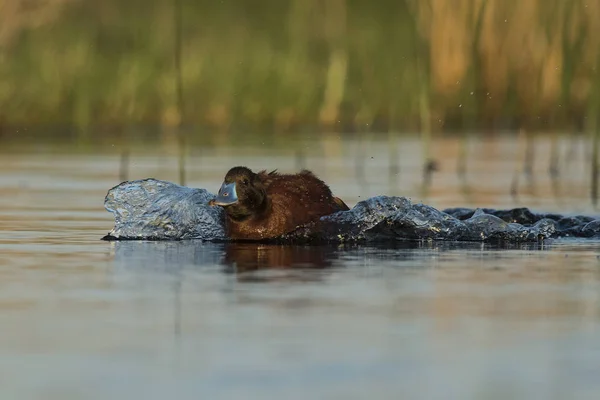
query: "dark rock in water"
158, 210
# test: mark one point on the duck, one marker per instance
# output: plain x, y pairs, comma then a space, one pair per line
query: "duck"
267, 205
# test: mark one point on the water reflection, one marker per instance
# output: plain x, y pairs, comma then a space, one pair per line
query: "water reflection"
442, 280
241, 258
232, 258
248, 321
245, 258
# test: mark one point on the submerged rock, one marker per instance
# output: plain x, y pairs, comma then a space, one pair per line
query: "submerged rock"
158, 210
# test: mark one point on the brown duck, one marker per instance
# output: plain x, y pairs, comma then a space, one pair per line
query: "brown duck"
267, 205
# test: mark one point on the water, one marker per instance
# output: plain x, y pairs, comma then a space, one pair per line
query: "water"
82, 318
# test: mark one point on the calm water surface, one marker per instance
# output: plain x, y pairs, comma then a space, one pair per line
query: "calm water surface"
85, 319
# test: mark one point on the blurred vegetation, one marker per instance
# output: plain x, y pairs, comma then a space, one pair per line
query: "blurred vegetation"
294, 64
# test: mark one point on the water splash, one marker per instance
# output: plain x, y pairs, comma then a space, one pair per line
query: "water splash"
157, 210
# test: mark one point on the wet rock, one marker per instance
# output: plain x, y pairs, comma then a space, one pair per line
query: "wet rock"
159, 210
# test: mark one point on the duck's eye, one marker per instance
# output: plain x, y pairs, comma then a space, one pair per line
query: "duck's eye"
245, 181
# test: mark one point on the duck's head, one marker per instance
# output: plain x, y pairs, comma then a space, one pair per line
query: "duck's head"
242, 193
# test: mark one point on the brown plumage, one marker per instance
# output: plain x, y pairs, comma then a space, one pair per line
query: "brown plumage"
267, 205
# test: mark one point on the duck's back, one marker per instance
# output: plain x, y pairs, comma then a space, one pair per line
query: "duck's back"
294, 200
302, 197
